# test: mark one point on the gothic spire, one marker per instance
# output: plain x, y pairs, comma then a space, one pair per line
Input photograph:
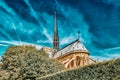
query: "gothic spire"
56, 37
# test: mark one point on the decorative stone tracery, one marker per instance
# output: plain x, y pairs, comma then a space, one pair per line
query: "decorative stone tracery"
75, 59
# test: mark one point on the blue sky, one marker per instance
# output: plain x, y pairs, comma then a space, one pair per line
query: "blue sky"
32, 21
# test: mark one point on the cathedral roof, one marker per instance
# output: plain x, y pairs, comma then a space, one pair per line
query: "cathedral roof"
73, 46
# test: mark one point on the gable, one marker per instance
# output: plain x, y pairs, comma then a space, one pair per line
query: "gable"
76, 45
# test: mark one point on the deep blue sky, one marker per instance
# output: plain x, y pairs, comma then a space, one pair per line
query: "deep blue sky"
32, 21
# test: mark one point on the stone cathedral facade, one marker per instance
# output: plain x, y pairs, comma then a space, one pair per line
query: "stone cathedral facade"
73, 55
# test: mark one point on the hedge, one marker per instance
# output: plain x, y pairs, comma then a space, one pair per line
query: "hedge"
108, 70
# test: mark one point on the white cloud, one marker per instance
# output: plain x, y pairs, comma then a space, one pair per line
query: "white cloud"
19, 43
106, 56
3, 45
100, 58
43, 41
115, 55
112, 48
109, 53
67, 40
47, 35
112, 52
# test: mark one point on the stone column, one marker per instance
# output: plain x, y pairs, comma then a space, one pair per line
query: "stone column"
87, 60
70, 65
81, 61
74, 61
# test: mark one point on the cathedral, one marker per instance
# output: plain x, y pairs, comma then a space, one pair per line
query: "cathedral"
72, 55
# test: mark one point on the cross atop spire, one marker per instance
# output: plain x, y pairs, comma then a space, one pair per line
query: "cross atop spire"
78, 34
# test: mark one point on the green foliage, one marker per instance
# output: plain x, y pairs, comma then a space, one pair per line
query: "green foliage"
42, 52
109, 70
26, 62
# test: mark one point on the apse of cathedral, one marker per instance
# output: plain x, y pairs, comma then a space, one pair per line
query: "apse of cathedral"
73, 55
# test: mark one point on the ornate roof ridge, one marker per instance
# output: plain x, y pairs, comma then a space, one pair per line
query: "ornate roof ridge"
69, 44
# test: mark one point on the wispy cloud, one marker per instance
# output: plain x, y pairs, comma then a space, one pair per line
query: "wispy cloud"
43, 41
115, 55
67, 39
112, 49
100, 58
106, 56
3, 45
18, 43
112, 52
47, 35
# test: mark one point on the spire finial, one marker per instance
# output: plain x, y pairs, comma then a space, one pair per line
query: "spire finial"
55, 22
55, 18
78, 34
